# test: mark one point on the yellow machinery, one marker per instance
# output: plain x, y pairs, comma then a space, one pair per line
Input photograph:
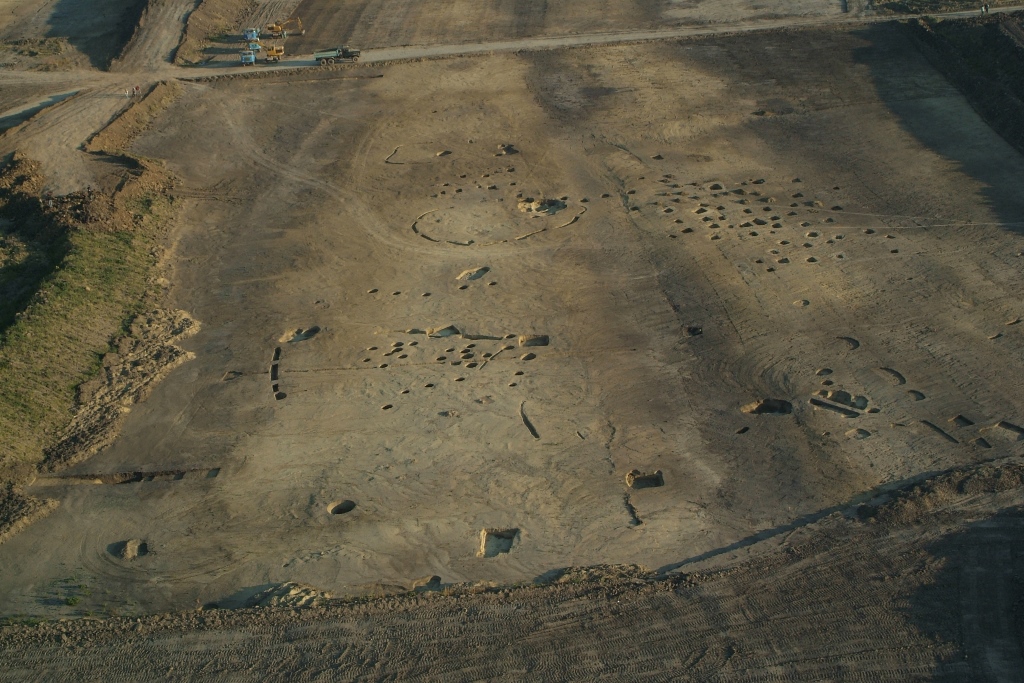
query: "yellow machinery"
281, 29
274, 53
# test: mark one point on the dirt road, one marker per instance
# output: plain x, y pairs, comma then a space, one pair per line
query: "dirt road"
553, 42
148, 57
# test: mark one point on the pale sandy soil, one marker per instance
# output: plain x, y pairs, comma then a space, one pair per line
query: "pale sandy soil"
914, 596
812, 216
297, 211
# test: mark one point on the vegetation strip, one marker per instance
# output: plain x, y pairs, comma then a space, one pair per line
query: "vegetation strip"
74, 273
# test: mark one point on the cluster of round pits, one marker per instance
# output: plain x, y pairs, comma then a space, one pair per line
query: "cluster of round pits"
468, 356
715, 215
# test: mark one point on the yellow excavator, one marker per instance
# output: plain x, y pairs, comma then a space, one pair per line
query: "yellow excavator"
273, 53
281, 29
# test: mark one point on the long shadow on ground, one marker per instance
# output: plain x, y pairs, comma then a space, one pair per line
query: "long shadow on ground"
975, 602
987, 68
99, 29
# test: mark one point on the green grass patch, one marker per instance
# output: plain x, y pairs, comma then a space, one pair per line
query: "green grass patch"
79, 306
59, 340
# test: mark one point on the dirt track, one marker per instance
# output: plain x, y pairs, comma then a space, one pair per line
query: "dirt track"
446, 306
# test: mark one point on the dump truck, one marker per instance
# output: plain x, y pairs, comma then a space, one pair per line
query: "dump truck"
247, 57
250, 34
334, 54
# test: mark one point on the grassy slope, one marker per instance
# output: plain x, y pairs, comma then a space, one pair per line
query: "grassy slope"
57, 341
84, 300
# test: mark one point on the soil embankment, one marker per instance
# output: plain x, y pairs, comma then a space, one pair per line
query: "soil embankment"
984, 59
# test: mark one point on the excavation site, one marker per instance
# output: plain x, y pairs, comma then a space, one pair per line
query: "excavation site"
453, 341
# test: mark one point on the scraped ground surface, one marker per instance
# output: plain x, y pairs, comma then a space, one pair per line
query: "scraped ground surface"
925, 589
780, 216
449, 309
95, 30
386, 23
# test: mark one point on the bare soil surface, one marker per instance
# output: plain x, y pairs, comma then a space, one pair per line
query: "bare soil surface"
922, 589
388, 23
375, 24
96, 30
660, 331
155, 41
687, 312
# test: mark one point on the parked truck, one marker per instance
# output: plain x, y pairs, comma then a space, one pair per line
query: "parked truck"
334, 54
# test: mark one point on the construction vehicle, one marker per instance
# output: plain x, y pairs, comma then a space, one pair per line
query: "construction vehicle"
280, 29
250, 34
274, 53
247, 57
334, 54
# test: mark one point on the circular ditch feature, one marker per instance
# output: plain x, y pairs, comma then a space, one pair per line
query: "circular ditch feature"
341, 507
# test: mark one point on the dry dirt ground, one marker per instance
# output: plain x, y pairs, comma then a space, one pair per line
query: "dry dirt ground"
445, 308
386, 23
93, 31
924, 588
